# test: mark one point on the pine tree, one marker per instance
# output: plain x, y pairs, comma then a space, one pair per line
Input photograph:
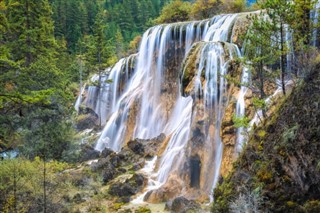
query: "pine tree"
35, 90
260, 50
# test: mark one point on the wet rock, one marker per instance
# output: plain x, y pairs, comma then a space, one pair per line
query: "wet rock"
183, 205
87, 119
121, 190
148, 147
100, 164
138, 165
108, 174
88, 153
169, 190
106, 152
130, 186
116, 160
136, 147
122, 170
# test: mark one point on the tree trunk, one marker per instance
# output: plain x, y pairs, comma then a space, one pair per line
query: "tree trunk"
282, 63
44, 185
15, 188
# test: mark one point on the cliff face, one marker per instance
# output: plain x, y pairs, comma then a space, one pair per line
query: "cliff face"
279, 170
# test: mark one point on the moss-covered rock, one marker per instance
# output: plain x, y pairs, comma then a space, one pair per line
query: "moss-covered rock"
127, 186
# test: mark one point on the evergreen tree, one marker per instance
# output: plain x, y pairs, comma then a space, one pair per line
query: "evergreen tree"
34, 92
260, 50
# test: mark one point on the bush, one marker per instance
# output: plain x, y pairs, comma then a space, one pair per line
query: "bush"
202, 9
174, 12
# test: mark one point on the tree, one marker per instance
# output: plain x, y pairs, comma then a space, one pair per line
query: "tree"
34, 89
304, 30
260, 52
175, 11
280, 14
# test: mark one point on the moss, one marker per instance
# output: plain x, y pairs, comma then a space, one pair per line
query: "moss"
117, 206
261, 133
143, 209
312, 206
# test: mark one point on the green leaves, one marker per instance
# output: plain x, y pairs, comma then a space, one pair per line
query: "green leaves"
240, 121
174, 12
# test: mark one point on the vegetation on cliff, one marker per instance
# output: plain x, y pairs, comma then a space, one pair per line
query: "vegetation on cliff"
279, 168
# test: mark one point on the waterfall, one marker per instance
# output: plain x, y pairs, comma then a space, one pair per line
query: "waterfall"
240, 108
103, 100
139, 106
147, 81
315, 18
180, 127
213, 93
79, 99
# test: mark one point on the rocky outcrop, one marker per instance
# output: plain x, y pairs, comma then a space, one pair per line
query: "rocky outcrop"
86, 119
182, 205
240, 28
88, 153
126, 186
148, 147
171, 189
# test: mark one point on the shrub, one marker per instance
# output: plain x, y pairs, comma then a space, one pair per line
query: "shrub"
174, 12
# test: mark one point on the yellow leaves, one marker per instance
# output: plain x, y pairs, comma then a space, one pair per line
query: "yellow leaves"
261, 133
9, 87
264, 175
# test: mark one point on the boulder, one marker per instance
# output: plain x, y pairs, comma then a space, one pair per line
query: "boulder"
130, 186
106, 152
169, 190
182, 205
87, 119
146, 147
88, 153
136, 147
108, 174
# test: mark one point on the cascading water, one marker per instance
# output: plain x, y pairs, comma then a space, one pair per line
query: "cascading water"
315, 19
142, 110
103, 100
147, 82
240, 108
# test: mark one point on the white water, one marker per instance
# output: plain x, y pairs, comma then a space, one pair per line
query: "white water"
103, 100
79, 99
144, 91
179, 125
152, 183
315, 18
145, 85
214, 64
240, 109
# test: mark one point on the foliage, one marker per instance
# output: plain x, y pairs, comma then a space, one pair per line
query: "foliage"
260, 51
142, 209
21, 184
202, 9
271, 160
240, 121
175, 11
248, 201
34, 93
74, 19
234, 6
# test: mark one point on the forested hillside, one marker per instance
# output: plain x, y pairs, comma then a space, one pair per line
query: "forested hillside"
159, 106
